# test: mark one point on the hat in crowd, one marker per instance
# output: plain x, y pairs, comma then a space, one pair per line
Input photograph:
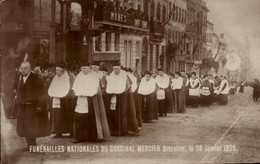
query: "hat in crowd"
160, 69
129, 70
60, 65
117, 65
171, 74
85, 64
147, 73
194, 73
96, 64
178, 73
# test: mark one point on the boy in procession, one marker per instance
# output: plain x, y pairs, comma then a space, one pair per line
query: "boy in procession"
205, 91
194, 90
179, 93
147, 89
164, 99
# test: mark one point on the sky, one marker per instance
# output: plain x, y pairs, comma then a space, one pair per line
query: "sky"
238, 19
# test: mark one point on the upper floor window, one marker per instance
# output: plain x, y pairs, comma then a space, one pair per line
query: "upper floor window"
152, 9
145, 7
177, 13
173, 14
164, 13
158, 16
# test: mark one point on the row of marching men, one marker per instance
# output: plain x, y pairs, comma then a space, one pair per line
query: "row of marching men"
96, 104
118, 102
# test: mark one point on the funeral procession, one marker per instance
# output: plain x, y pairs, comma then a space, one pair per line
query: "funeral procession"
130, 81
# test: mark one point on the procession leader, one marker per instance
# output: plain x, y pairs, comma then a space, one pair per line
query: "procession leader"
32, 116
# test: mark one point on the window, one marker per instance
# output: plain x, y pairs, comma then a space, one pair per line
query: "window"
157, 57
108, 41
151, 57
129, 54
98, 43
117, 41
173, 14
182, 20
145, 8
158, 16
163, 53
126, 55
169, 33
176, 37
163, 13
137, 48
170, 7
42, 13
185, 16
139, 7
152, 9
173, 35
176, 16
179, 14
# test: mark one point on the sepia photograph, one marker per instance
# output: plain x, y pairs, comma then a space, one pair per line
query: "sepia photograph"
130, 81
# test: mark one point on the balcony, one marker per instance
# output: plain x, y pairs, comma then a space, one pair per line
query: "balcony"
108, 13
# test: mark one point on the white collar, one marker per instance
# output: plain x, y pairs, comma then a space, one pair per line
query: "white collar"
26, 77
86, 85
146, 87
163, 81
116, 83
60, 86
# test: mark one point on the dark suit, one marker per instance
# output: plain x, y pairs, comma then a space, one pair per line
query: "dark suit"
32, 115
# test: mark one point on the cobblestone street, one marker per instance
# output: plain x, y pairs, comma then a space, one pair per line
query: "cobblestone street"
235, 128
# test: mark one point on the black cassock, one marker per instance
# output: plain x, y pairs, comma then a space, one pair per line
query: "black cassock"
85, 124
123, 119
150, 107
31, 123
62, 118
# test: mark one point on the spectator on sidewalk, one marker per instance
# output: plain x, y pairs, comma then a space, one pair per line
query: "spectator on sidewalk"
256, 91
223, 91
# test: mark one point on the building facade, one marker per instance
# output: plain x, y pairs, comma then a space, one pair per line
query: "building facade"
141, 34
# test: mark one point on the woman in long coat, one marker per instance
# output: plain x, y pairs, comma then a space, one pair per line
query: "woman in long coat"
256, 91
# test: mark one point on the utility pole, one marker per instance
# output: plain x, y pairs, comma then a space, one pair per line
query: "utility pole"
64, 27
90, 39
52, 33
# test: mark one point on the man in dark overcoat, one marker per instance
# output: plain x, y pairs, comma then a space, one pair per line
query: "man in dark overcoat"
32, 115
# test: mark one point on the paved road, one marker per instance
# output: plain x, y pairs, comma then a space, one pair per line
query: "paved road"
230, 132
